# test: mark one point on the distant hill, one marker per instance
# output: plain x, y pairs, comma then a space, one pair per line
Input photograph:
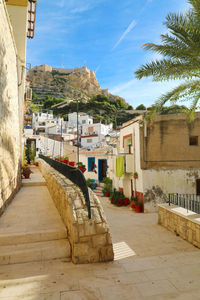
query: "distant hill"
60, 83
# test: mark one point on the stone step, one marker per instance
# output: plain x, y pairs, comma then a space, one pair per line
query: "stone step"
99, 188
100, 194
101, 184
32, 252
32, 237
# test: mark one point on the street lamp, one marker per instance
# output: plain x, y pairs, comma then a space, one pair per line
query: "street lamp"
107, 138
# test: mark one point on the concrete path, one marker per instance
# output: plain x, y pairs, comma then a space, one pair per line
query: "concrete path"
151, 264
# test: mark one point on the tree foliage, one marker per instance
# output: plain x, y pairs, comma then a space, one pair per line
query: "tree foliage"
180, 50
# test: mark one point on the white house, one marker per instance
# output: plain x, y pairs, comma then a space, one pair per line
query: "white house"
83, 118
96, 128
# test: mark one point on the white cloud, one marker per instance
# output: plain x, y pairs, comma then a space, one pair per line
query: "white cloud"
143, 91
80, 9
130, 27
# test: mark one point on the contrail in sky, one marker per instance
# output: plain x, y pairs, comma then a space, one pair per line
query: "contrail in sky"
130, 27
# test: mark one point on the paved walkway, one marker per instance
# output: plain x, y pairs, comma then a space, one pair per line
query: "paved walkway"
152, 264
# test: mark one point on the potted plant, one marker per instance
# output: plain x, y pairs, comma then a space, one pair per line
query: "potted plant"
133, 202
107, 186
81, 167
72, 163
126, 201
135, 175
138, 207
107, 189
26, 171
66, 160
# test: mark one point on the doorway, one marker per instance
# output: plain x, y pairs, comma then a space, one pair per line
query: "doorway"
102, 169
30, 150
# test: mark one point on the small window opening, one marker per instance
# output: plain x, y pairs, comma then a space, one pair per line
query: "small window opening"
193, 141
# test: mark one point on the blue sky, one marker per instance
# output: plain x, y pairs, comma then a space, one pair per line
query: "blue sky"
106, 35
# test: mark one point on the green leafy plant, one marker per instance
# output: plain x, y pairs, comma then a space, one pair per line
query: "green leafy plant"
80, 164
89, 182
180, 50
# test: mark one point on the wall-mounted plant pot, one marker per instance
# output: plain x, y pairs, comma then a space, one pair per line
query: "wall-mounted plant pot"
82, 169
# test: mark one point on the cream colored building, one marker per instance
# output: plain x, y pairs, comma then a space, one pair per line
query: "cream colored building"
164, 153
16, 23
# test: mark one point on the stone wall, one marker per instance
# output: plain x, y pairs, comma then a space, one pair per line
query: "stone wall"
183, 223
10, 124
90, 239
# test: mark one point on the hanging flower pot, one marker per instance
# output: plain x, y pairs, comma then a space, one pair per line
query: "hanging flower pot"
135, 175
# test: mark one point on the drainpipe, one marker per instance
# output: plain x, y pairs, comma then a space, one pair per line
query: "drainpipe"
134, 164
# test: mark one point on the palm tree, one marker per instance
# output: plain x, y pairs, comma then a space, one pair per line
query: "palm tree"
180, 49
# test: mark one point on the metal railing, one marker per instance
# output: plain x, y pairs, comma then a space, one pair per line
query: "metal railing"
73, 174
188, 201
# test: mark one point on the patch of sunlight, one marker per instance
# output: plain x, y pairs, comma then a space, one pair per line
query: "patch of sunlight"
197, 219
122, 250
183, 211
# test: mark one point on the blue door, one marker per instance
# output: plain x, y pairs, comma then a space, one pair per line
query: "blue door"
102, 169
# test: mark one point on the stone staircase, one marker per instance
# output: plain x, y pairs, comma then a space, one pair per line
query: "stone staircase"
99, 190
31, 229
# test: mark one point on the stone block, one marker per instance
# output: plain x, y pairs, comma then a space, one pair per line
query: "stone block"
106, 253
89, 227
96, 215
101, 228
99, 240
80, 249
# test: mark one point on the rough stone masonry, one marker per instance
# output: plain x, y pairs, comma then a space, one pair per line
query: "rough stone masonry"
90, 239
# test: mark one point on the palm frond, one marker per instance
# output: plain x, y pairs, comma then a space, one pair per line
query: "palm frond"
167, 69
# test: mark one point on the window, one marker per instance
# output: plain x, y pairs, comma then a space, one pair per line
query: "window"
193, 141
198, 186
83, 121
89, 141
91, 163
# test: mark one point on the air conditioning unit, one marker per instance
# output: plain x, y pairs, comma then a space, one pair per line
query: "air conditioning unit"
129, 158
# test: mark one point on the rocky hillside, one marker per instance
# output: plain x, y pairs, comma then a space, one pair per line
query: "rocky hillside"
78, 83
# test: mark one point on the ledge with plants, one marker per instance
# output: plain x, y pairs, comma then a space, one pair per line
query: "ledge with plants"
118, 198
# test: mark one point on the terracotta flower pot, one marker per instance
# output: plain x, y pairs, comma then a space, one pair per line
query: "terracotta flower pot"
138, 208
107, 194
132, 205
26, 175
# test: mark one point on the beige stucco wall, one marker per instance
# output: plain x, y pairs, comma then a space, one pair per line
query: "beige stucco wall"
10, 122
167, 143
